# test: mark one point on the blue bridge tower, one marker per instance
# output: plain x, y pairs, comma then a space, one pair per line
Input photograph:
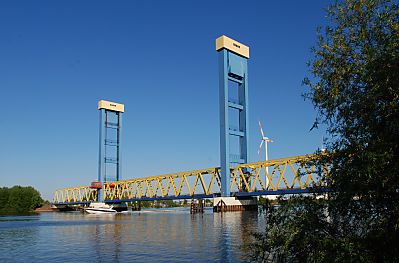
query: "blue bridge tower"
109, 161
233, 101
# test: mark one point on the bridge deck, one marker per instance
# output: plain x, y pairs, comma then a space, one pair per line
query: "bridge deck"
293, 175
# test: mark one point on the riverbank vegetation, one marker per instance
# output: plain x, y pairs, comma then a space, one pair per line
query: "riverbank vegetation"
355, 90
168, 203
19, 200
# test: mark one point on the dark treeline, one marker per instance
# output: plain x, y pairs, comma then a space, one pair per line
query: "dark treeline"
19, 199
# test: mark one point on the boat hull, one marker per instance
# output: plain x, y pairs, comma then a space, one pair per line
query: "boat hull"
100, 208
100, 211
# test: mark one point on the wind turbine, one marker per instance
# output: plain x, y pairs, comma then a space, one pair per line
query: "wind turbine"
265, 140
323, 149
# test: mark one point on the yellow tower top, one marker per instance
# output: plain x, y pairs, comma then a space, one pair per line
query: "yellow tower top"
108, 105
232, 45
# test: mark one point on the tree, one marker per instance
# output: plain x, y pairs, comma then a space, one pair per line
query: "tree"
355, 90
4, 195
19, 199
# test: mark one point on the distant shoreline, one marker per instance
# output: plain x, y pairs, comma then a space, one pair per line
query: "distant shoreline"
45, 208
11, 212
14, 213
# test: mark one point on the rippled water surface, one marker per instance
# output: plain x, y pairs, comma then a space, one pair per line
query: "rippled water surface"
169, 235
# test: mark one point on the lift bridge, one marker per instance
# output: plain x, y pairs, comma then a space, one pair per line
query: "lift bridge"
235, 178
293, 175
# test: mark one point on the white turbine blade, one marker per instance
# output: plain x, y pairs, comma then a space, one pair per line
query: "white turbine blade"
261, 130
260, 147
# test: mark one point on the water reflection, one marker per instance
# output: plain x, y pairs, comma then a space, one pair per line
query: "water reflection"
146, 236
19, 218
234, 231
21, 237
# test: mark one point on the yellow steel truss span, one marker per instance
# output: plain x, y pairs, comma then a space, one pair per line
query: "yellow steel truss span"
299, 172
75, 194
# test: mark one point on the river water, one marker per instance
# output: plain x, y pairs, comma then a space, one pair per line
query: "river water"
167, 235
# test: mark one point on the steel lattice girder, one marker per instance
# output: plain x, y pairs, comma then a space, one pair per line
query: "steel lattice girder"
288, 175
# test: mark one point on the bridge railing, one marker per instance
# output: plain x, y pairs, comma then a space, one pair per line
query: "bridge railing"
299, 172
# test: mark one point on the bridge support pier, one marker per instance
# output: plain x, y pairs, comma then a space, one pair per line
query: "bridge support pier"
197, 206
230, 204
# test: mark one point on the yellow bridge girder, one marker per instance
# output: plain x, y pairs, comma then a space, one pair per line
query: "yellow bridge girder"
297, 172
74, 194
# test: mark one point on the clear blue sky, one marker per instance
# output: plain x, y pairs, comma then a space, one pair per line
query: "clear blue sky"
58, 58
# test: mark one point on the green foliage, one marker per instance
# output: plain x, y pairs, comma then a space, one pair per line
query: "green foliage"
355, 90
301, 229
169, 203
264, 202
158, 204
19, 199
146, 204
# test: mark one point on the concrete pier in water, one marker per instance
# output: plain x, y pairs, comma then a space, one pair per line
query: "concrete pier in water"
224, 204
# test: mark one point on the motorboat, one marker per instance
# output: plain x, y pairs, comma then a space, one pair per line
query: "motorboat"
100, 208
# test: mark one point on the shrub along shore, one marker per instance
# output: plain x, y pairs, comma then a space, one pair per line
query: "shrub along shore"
19, 200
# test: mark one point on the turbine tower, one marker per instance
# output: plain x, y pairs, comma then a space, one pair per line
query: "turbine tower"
265, 140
